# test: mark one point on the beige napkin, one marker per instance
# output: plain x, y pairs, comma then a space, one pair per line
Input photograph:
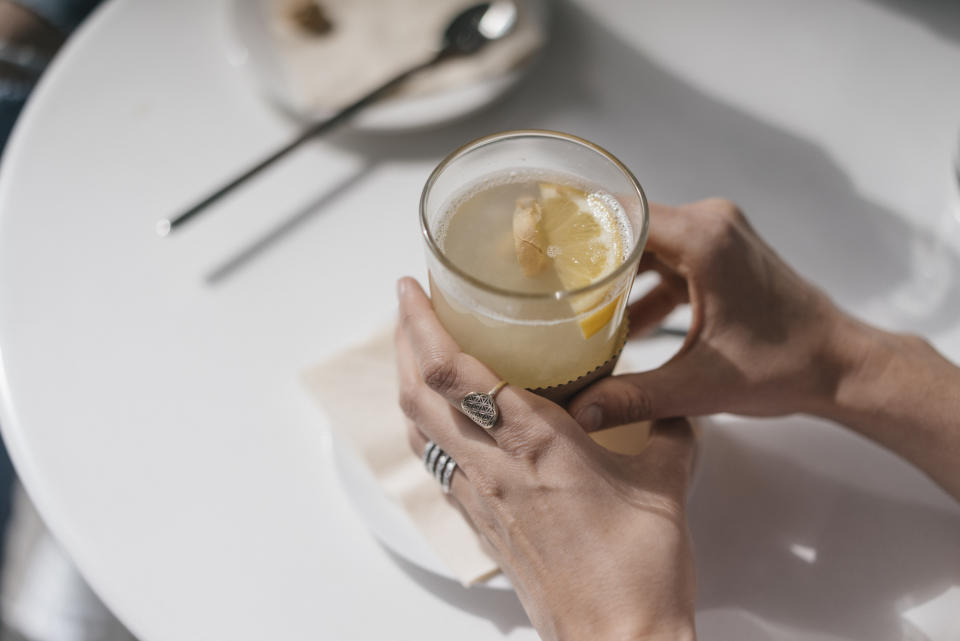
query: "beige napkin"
370, 41
358, 390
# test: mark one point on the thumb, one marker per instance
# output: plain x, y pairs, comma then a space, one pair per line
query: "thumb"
669, 390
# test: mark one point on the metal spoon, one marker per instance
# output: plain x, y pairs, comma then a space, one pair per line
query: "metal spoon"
467, 33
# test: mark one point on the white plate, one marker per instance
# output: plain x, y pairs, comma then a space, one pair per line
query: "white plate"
251, 48
387, 522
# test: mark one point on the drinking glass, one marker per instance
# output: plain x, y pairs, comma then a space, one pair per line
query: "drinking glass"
534, 340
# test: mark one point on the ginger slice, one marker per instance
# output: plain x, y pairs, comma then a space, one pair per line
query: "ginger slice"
528, 240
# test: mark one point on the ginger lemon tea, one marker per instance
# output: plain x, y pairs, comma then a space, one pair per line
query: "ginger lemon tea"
533, 240
535, 236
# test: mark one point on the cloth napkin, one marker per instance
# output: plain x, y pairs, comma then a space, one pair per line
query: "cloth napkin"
370, 41
358, 390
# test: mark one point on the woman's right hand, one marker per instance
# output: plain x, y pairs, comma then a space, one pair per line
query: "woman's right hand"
763, 341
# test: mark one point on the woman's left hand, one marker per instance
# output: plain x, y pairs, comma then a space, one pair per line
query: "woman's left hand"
595, 543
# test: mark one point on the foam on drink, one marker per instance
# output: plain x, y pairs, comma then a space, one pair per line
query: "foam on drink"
475, 228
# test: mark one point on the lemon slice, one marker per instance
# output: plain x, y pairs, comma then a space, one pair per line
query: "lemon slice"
583, 238
581, 234
596, 321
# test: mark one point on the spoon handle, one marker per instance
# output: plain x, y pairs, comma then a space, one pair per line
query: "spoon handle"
167, 225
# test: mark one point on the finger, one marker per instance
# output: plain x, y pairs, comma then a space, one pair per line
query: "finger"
453, 374
670, 229
442, 423
652, 307
419, 322
648, 312
462, 493
440, 362
649, 261
677, 388
669, 452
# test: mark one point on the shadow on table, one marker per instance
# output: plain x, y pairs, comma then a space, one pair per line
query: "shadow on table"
501, 607
289, 225
809, 553
685, 145
940, 16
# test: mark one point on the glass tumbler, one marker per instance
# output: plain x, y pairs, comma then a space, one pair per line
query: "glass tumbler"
552, 342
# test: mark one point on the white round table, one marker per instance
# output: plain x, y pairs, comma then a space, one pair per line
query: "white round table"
151, 398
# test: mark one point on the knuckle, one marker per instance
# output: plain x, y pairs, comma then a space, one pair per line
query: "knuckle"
725, 210
490, 489
722, 230
639, 403
722, 217
409, 401
440, 373
529, 445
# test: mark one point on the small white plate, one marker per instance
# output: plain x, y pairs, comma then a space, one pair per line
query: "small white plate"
386, 520
252, 49
395, 531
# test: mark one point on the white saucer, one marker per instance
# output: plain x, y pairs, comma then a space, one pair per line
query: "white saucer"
251, 48
387, 522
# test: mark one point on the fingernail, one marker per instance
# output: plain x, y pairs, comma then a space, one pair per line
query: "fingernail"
590, 417
401, 287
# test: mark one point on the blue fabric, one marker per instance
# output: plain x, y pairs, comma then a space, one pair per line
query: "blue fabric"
7, 477
12, 96
65, 15
9, 110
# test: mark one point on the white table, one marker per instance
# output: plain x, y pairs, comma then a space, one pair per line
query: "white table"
150, 395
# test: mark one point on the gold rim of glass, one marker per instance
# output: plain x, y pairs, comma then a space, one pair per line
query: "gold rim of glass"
632, 258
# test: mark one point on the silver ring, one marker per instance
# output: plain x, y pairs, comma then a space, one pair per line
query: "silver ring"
440, 463
482, 408
446, 475
426, 451
431, 459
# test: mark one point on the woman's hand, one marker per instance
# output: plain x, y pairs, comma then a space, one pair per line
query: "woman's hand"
594, 542
763, 341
